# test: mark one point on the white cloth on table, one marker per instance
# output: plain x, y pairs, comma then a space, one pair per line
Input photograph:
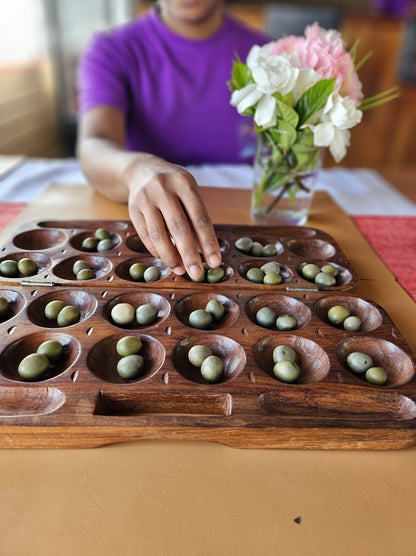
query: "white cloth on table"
358, 191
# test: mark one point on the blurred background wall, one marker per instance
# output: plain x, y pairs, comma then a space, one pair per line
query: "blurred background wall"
41, 40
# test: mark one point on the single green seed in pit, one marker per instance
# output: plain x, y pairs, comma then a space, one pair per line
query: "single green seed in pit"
33, 366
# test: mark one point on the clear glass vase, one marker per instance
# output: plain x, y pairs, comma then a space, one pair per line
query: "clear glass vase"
284, 180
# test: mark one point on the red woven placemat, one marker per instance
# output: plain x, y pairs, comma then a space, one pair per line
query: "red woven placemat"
394, 240
8, 211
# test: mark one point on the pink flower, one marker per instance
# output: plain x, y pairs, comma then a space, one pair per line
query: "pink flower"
323, 51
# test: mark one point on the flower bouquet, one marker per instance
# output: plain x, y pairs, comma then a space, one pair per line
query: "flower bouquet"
304, 95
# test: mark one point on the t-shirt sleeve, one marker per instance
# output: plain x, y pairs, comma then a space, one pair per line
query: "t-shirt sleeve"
101, 77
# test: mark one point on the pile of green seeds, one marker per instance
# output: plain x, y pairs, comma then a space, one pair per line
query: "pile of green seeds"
341, 316
268, 318
100, 241
124, 313
255, 248
209, 275
211, 366
10, 268
35, 365
325, 275
203, 318
139, 272
83, 270
269, 273
362, 364
285, 368
131, 363
63, 314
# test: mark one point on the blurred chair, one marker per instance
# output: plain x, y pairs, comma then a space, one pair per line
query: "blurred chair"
291, 19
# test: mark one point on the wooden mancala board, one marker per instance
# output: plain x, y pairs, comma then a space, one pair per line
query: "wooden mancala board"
83, 402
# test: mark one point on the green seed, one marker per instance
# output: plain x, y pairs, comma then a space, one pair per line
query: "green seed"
244, 244
330, 269
80, 265
201, 278
286, 322
376, 375
198, 353
86, 274
269, 250
215, 275
255, 274
52, 349
27, 267
216, 308
102, 233
90, 244
128, 345
53, 308
68, 315
284, 353
146, 313
212, 368
325, 279
266, 317
309, 271
136, 271
123, 313
33, 366
338, 313
286, 371
105, 245
359, 362
9, 268
256, 249
152, 274
130, 366
200, 319
271, 266
352, 324
272, 278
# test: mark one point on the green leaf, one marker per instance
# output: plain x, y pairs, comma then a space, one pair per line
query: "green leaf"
287, 134
288, 114
313, 99
241, 76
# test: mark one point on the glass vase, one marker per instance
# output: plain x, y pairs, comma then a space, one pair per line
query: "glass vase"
284, 180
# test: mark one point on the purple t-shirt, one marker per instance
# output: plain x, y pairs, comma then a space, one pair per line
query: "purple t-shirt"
172, 90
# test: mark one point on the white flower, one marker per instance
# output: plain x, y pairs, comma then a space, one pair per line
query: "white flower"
337, 116
271, 74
